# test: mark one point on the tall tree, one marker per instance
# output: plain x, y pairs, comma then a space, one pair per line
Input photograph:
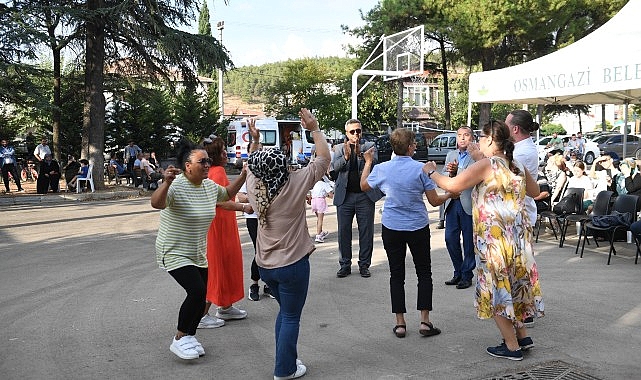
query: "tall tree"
147, 34
204, 28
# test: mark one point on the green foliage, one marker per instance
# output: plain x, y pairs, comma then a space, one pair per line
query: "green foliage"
549, 129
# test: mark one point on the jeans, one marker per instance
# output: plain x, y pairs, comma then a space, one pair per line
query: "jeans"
360, 205
395, 244
457, 222
194, 280
289, 286
252, 229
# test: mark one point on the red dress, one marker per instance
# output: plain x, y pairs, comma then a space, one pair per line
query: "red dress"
224, 254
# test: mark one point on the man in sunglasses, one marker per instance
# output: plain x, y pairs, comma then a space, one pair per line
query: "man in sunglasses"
350, 200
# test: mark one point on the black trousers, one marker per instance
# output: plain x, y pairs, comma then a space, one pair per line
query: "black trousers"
395, 244
194, 280
252, 228
10, 168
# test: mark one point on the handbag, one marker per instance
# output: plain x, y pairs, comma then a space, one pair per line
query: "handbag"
567, 205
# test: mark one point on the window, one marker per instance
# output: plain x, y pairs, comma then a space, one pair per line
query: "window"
452, 142
231, 138
416, 96
269, 137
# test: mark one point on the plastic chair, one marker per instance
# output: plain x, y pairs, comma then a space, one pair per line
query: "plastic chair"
88, 179
623, 203
601, 206
562, 220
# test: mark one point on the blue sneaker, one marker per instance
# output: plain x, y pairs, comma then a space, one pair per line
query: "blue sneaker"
525, 343
501, 351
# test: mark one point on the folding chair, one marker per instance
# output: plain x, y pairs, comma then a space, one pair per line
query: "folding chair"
601, 206
623, 203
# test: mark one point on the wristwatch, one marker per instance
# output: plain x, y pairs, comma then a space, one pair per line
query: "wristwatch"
429, 174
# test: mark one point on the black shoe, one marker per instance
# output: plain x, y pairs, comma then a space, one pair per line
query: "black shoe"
464, 284
365, 272
440, 225
343, 272
454, 281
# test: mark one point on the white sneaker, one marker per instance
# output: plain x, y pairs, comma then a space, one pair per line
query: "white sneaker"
300, 371
184, 348
209, 322
230, 313
319, 239
324, 234
197, 346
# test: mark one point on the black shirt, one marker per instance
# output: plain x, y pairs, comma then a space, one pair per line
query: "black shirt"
353, 176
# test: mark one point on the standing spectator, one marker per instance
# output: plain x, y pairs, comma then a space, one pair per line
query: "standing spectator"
319, 193
283, 245
188, 203
580, 142
351, 201
30, 141
8, 163
39, 153
405, 223
522, 125
131, 153
458, 214
224, 253
251, 222
508, 288
49, 175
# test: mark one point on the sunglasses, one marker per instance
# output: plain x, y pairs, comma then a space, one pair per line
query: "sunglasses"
204, 161
355, 131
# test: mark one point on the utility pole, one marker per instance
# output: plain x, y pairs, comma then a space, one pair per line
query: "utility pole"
220, 26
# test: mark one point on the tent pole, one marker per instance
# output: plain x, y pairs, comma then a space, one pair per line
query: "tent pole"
625, 128
469, 114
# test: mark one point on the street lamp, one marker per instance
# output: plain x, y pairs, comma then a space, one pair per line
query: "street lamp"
220, 25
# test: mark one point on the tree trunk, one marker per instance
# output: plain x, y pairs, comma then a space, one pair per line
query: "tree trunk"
57, 103
93, 126
578, 111
446, 87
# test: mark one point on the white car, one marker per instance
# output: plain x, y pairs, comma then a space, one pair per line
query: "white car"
592, 150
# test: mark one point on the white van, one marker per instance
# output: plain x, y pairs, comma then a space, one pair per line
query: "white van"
283, 134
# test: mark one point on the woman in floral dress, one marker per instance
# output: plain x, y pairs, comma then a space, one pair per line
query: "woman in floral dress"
507, 288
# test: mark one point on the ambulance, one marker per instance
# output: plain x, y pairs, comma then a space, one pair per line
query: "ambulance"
287, 135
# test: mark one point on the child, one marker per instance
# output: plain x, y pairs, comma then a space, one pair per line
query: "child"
82, 173
320, 191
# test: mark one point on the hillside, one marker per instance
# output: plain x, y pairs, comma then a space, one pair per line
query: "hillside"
234, 104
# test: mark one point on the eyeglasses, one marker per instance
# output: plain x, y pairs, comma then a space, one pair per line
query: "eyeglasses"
355, 131
204, 161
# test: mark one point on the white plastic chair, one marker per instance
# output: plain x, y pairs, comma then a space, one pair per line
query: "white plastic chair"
89, 180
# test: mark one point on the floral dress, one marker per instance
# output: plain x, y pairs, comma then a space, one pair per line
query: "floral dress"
508, 280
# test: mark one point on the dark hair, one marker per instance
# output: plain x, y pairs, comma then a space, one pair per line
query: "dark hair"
501, 137
84, 161
524, 120
214, 150
184, 150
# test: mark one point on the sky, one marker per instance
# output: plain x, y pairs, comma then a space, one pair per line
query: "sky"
265, 31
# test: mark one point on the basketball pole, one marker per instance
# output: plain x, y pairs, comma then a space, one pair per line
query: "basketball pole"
372, 74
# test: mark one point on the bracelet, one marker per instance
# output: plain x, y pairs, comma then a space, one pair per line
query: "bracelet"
316, 130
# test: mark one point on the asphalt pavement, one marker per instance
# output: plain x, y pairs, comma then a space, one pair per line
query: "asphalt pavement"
81, 297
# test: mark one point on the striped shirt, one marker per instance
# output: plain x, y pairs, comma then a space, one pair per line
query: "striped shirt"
182, 234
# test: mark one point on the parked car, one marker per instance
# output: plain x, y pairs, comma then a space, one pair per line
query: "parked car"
441, 146
591, 150
384, 148
614, 143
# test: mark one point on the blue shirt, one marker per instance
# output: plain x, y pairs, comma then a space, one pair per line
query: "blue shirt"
403, 181
8, 155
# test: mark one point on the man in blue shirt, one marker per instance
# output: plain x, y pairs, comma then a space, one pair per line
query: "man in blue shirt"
458, 215
8, 163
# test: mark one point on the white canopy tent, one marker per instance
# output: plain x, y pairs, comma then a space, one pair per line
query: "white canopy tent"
604, 67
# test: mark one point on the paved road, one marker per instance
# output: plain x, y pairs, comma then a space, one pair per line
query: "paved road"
81, 298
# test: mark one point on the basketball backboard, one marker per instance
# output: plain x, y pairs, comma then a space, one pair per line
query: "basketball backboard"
403, 53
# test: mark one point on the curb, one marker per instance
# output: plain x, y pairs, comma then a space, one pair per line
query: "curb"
70, 197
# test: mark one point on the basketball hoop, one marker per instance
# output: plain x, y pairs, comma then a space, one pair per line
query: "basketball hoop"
417, 77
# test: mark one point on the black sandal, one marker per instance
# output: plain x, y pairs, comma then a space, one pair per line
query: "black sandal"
398, 333
430, 331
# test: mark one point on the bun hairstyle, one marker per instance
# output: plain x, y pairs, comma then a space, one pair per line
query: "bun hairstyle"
501, 137
184, 149
524, 120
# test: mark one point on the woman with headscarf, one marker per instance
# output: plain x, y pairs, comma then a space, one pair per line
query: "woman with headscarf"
283, 244
224, 253
188, 200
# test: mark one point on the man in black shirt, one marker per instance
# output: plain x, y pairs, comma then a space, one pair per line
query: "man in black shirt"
350, 200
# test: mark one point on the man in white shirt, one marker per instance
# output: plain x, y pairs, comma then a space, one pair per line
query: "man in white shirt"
522, 125
40, 152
